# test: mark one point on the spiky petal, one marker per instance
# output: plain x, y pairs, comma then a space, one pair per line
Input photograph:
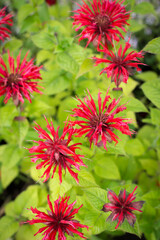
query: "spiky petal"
56, 152
5, 19
98, 124
121, 65
58, 221
16, 81
103, 21
122, 207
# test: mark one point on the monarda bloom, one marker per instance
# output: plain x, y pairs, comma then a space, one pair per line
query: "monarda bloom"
122, 207
121, 65
56, 152
103, 21
51, 2
98, 124
58, 221
5, 19
16, 81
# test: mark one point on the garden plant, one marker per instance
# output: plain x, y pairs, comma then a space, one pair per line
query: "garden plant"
79, 119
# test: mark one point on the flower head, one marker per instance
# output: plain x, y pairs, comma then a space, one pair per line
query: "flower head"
102, 21
55, 151
60, 220
51, 2
5, 19
121, 65
99, 124
16, 80
122, 207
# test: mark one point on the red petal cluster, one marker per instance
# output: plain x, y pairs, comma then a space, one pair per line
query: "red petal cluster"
99, 124
51, 2
120, 65
102, 21
122, 207
16, 80
55, 151
60, 220
5, 20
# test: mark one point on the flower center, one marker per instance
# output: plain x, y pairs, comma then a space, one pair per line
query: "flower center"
118, 60
102, 22
13, 78
98, 119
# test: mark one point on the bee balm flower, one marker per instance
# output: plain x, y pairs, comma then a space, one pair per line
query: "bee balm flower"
99, 123
58, 221
102, 21
16, 81
5, 19
56, 152
120, 66
122, 207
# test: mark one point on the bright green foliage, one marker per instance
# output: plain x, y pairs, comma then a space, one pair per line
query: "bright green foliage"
68, 70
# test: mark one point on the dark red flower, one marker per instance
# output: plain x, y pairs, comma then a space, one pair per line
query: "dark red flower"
51, 2
99, 124
60, 220
16, 80
122, 207
103, 21
5, 19
55, 151
120, 65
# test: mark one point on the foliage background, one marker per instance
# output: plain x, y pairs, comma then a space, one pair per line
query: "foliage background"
67, 71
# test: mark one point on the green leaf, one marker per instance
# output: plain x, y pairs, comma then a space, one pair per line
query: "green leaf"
96, 221
134, 147
129, 87
97, 197
149, 165
155, 116
58, 189
8, 226
106, 168
135, 105
26, 232
20, 128
7, 113
43, 40
67, 63
144, 8
25, 200
86, 179
135, 26
147, 76
153, 46
152, 198
85, 67
151, 90
8, 175
54, 82
12, 155
24, 11
13, 44
43, 55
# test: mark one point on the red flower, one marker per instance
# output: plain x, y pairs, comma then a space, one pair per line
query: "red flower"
100, 125
55, 151
16, 80
120, 66
60, 220
103, 21
122, 207
51, 2
5, 20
